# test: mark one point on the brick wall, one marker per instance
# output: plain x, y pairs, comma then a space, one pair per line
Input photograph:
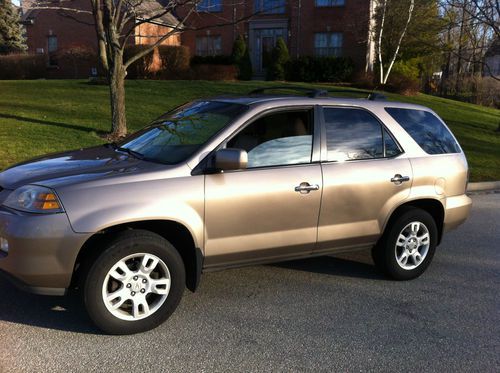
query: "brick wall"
42, 24
302, 22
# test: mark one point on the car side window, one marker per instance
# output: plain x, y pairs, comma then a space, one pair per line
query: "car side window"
391, 147
355, 134
279, 139
426, 129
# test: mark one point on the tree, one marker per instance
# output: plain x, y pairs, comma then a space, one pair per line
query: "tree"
472, 26
392, 10
241, 58
115, 22
279, 60
11, 33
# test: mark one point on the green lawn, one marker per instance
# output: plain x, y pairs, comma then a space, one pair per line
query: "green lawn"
38, 117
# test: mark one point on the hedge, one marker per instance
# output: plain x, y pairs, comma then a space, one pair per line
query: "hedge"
212, 60
23, 66
174, 60
320, 69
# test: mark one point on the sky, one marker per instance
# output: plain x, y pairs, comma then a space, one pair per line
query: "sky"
16, 2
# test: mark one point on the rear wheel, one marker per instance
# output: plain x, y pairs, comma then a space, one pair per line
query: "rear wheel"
135, 284
407, 247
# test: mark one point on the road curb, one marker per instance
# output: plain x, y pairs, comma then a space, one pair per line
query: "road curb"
483, 186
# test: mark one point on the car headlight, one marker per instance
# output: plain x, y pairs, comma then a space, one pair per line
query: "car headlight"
34, 198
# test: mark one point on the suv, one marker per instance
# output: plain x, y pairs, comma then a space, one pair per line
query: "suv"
226, 182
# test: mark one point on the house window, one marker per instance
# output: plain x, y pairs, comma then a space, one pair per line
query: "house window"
52, 49
325, 3
212, 6
328, 44
210, 45
52, 43
270, 6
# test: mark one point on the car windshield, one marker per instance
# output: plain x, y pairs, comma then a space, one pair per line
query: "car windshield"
177, 135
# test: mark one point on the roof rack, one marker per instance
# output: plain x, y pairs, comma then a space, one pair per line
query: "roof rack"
311, 92
374, 96
315, 93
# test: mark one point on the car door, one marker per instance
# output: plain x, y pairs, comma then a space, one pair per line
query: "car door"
270, 209
365, 174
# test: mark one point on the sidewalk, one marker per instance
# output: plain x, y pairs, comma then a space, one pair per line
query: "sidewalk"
483, 186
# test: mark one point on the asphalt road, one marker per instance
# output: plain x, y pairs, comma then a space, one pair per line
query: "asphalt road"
323, 314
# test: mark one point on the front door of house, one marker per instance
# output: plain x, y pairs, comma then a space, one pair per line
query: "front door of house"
264, 40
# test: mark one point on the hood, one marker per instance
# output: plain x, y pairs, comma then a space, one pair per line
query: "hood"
81, 165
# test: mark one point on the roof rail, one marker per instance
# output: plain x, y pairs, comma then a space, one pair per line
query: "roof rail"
315, 93
311, 92
374, 96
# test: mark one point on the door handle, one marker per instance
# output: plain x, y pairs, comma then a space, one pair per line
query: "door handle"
305, 188
398, 179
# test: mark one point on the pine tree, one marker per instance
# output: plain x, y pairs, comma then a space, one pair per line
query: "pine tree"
280, 59
11, 33
241, 58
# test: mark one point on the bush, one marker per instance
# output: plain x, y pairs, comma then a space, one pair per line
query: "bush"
239, 50
241, 58
279, 61
404, 78
75, 56
212, 60
23, 66
364, 80
174, 60
486, 91
140, 69
320, 69
213, 72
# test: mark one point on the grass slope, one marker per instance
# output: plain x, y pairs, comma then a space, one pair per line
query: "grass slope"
38, 117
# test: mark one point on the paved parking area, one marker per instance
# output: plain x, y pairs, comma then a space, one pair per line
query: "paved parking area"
323, 314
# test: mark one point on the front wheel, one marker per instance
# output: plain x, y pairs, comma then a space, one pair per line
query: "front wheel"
407, 247
135, 284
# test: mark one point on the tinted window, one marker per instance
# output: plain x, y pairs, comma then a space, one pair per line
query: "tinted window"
177, 135
391, 147
426, 129
352, 134
277, 139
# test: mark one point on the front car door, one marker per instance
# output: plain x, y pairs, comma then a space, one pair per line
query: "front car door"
361, 164
269, 210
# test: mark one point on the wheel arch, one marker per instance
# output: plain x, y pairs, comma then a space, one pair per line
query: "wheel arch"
433, 206
176, 233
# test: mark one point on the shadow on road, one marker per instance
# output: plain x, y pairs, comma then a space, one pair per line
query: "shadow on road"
68, 313
356, 265
59, 313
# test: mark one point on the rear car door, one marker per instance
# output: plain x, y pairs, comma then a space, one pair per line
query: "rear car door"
365, 176
269, 210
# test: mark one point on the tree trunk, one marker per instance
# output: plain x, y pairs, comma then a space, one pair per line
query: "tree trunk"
117, 95
459, 53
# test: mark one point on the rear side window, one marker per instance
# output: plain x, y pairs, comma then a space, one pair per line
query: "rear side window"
354, 134
426, 129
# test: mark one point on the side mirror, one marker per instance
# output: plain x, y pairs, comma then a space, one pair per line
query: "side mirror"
231, 159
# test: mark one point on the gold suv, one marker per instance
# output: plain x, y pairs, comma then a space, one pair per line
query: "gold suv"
226, 182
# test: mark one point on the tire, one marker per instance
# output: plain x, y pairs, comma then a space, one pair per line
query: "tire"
391, 251
135, 284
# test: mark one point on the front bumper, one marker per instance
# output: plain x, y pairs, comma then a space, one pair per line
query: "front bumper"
42, 251
457, 211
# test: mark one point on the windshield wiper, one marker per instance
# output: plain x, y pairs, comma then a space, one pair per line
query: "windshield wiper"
131, 152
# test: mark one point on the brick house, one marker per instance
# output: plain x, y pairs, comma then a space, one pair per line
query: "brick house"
50, 32
309, 27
